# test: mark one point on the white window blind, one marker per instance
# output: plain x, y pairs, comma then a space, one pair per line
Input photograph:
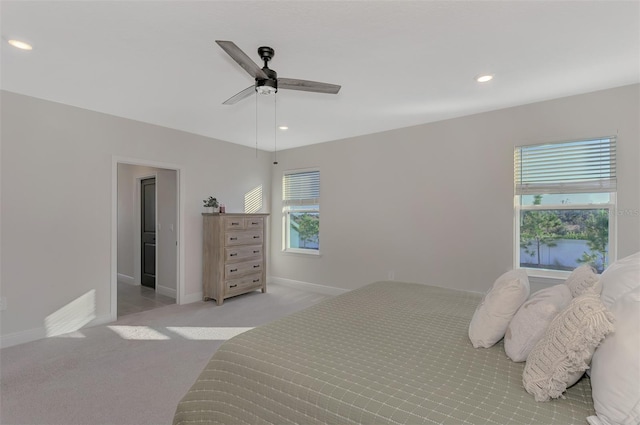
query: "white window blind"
301, 188
585, 166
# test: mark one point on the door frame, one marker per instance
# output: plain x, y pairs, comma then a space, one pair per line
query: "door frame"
180, 189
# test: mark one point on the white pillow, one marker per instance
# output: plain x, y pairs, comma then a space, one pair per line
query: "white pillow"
560, 358
532, 319
498, 306
619, 278
615, 369
581, 279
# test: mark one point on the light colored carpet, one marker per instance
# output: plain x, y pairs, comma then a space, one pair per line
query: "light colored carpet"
132, 371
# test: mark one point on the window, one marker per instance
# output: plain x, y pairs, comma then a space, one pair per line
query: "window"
301, 208
565, 197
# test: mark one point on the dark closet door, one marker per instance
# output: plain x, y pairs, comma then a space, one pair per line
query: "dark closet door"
148, 237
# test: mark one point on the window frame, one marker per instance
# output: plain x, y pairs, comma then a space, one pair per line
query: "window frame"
611, 206
561, 274
287, 209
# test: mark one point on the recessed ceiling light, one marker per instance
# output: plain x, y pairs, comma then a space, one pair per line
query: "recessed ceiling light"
20, 44
283, 127
484, 78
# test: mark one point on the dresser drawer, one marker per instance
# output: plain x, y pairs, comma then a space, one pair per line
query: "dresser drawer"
245, 237
239, 253
231, 223
243, 284
254, 223
244, 268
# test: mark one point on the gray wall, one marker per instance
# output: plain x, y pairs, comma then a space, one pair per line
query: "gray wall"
57, 194
434, 203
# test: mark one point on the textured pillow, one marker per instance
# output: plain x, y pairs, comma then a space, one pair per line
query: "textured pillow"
560, 358
532, 319
495, 311
581, 279
620, 278
615, 369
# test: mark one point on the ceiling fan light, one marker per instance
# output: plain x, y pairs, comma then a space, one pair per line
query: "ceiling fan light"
265, 90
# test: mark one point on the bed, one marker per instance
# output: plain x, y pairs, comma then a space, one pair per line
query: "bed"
389, 352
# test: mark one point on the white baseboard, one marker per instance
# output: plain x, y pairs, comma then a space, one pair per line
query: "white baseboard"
163, 290
100, 320
23, 337
313, 287
127, 279
191, 298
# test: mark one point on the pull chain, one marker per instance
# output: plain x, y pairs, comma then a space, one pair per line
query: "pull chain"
275, 129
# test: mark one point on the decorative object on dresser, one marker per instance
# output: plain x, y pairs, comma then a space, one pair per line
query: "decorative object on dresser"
211, 205
234, 260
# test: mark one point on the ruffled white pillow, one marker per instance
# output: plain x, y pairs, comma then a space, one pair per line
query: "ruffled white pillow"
560, 358
581, 279
532, 319
495, 311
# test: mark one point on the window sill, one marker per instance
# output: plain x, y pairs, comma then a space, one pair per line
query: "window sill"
545, 276
546, 281
302, 252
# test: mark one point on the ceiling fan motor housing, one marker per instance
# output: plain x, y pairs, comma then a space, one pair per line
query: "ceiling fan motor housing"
269, 85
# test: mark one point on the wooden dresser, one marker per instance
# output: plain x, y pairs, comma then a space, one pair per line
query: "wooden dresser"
234, 260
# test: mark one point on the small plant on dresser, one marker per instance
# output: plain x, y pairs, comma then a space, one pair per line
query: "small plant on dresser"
210, 205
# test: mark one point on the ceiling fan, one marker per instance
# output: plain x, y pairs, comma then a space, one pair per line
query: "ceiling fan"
267, 80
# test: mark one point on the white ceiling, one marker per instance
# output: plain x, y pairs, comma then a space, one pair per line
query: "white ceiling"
400, 63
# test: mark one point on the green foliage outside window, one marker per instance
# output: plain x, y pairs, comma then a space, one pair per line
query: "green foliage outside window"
544, 228
539, 228
597, 236
308, 228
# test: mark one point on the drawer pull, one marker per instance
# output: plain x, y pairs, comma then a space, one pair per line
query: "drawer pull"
233, 254
256, 266
233, 270
255, 252
235, 223
256, 237
256, 280
255, 223
233, 286
233, 239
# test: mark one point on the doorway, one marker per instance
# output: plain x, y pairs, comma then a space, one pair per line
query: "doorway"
147, 272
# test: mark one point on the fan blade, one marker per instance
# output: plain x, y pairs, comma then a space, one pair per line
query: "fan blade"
243, 60
242, 95
304, 85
